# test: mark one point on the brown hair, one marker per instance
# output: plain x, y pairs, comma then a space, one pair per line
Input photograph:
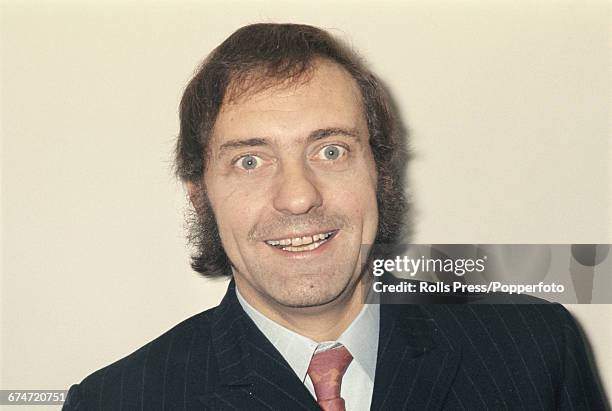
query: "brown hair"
259, 56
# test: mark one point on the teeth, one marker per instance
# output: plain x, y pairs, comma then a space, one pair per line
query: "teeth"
300, 243
304, 248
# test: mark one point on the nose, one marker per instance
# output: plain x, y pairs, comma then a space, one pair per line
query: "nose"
297, 191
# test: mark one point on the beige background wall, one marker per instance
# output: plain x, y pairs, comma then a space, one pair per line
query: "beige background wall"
508, 103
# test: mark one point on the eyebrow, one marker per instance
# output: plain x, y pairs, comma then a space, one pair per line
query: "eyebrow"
251, 142
333, 131
313, 136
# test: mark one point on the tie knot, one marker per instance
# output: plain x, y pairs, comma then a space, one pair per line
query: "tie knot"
326, 370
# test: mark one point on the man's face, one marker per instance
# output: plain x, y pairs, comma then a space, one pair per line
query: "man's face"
292, 183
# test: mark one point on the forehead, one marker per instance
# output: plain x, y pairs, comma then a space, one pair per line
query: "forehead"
327, 97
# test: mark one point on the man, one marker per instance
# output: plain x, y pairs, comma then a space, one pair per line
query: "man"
291, 154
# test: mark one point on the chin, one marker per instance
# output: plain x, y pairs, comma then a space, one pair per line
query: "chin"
309, 291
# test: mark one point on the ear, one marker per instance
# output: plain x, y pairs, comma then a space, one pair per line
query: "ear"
195, 192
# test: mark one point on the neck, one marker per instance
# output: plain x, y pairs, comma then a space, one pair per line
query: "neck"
320, 323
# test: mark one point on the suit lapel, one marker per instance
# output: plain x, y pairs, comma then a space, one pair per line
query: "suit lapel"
252, 373
415, 367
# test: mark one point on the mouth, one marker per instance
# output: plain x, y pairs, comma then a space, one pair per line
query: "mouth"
303, 243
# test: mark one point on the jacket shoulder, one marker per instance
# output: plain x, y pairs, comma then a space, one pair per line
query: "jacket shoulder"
165, 360
543, 355
519, 318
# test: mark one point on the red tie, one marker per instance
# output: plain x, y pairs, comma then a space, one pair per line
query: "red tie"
326, 370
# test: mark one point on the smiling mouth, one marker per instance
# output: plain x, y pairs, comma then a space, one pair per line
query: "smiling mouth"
301, 244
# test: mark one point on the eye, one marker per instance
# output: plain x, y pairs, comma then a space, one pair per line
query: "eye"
331, 152
248, 162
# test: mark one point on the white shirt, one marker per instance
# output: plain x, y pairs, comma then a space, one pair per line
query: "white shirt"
360, 338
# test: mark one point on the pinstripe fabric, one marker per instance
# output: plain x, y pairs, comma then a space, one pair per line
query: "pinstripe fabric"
431, 357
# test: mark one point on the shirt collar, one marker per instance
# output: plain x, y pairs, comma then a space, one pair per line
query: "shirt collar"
360, 338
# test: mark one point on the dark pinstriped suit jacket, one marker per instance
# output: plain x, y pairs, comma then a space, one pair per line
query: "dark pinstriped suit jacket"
431, 357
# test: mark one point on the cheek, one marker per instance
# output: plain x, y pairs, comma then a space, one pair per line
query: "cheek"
236, 208
355, 200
